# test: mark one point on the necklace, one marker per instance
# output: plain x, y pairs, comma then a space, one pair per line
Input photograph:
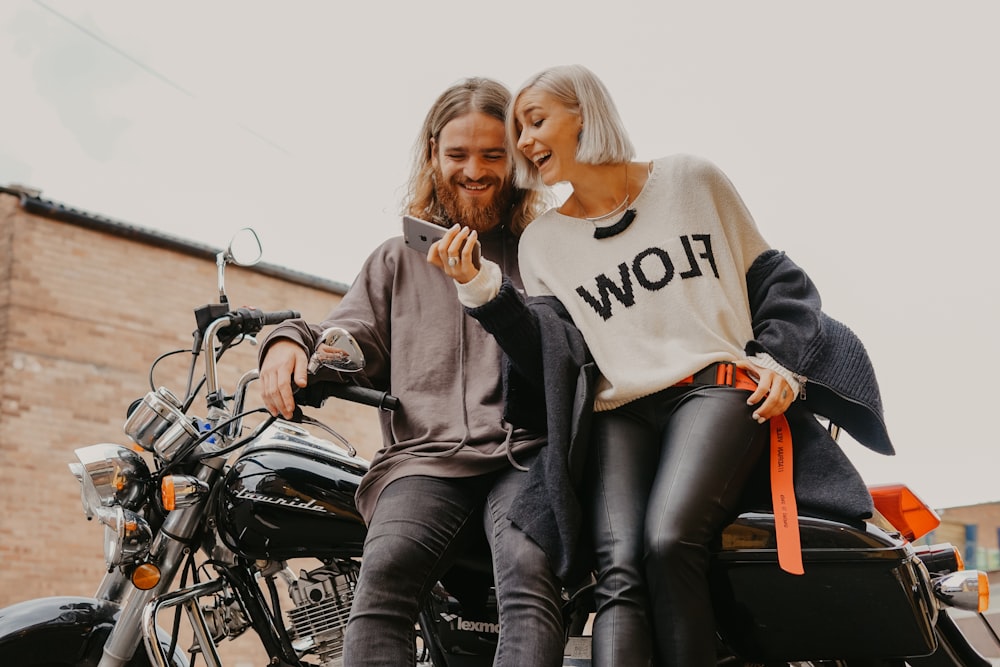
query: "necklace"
619, 226
616, 209
612, 212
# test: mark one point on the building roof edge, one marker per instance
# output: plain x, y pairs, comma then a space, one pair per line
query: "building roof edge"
32, 203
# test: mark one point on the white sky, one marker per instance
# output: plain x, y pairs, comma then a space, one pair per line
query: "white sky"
862, 135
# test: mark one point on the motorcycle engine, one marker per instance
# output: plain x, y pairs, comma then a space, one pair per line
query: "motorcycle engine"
322, 602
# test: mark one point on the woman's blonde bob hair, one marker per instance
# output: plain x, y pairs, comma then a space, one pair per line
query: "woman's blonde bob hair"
603, 138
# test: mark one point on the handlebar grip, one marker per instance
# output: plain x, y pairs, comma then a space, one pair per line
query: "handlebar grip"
249, 321
382, 400
279, 316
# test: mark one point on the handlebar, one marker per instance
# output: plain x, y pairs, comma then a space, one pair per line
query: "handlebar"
249, 321
279, 316
382, 400
239, 322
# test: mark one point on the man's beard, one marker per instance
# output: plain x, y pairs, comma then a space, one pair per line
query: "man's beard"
480, 217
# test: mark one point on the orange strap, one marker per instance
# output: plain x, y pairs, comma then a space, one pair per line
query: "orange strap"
786, 517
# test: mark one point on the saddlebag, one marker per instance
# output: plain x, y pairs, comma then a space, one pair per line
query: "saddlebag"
864, 593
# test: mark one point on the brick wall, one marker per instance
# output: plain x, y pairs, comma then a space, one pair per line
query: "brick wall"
83, 313
975, 529
985, 515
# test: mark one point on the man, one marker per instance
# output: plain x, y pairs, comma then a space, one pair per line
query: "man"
449, 460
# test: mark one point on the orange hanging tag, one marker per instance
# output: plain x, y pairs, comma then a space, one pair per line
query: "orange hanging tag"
786, 517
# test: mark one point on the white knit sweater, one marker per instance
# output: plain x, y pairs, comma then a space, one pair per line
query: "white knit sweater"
660, 300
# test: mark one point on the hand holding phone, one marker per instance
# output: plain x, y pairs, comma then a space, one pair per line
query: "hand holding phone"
420, 235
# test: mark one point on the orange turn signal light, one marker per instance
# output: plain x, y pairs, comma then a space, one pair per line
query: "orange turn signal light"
167, 493
145, 576
984, 592
904, 510
959, 559
180, 491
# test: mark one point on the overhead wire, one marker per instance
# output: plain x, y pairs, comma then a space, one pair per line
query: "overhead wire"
152, 71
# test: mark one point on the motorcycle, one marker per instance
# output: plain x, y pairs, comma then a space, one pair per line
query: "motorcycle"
288, 494
250, 499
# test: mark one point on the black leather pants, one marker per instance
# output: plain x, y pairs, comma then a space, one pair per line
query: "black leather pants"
666, 472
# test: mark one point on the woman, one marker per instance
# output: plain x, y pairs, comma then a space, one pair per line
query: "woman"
681, 303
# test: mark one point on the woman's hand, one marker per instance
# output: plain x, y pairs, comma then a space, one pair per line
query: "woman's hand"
453, 254
772, 389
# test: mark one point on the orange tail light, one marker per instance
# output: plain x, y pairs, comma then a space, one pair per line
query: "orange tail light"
904, 510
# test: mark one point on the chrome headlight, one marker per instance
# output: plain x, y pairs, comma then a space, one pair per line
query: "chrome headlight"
110, 475
126, 535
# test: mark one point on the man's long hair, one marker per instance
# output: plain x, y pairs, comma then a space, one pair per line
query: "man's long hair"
474, 94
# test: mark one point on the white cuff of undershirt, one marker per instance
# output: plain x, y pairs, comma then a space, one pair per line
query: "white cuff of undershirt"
794, 381
483, 288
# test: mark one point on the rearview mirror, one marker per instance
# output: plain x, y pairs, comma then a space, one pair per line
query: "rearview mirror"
337, 349
244, 249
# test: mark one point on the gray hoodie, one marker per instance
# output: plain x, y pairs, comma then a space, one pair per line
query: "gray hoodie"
420, 346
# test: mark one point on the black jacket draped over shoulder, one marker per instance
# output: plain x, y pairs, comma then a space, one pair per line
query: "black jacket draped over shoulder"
549, 380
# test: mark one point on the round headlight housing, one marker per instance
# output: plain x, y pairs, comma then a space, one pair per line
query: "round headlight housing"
110, 475
127, 536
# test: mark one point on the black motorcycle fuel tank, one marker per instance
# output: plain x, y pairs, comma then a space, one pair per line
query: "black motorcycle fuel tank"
290, 494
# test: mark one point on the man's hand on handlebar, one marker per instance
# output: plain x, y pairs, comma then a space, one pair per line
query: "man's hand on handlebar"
283, 363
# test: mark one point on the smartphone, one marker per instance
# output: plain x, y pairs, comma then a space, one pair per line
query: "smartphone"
420, 234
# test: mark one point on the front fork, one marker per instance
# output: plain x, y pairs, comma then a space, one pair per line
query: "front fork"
168, 552
124, 639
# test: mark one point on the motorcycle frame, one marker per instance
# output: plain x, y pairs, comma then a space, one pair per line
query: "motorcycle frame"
241, 581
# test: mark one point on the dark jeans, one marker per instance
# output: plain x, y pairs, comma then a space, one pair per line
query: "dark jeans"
667, 472
413, 538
